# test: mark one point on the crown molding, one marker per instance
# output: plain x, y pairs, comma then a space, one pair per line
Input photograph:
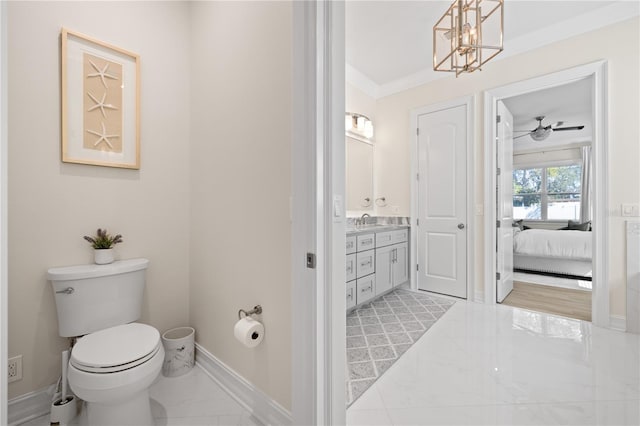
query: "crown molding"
581, 24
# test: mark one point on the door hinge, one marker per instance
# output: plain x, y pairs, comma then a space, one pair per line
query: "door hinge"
417, 176
498, 224
498, 171
311, 260
417, 267
498, 276
417, 131
417, 222
498, 118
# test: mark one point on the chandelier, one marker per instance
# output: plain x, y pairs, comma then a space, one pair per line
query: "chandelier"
468, 35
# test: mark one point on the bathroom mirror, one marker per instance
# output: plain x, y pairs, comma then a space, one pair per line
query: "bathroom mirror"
359, 174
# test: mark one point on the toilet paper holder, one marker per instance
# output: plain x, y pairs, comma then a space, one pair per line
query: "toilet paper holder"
256, 310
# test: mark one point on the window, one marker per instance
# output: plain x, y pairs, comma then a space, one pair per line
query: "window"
547, 193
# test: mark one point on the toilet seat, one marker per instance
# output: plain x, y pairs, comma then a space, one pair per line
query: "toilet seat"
116, 349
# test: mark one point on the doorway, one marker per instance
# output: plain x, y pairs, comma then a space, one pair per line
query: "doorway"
594, 75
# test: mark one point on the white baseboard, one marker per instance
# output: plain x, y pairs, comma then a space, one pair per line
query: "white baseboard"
618, 322
478, 296
251, 398
29, 406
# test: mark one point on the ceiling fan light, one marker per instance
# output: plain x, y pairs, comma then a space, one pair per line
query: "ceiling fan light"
540, 135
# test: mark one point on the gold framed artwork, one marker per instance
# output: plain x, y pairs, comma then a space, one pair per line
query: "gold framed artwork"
100, 103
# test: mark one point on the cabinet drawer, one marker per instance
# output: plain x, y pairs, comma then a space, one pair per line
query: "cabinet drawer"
366, 242
351, 294
384, 238
365, 288
400, 236
351, 244
351, 267
365, 263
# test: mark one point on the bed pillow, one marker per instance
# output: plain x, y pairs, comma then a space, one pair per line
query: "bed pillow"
577, 226
519, 224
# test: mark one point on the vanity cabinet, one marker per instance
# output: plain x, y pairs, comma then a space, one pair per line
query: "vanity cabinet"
391, 266
376, 262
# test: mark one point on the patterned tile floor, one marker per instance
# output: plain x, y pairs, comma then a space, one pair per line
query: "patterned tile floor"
382, 330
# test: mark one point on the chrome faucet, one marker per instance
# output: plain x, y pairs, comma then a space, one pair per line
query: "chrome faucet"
363, 219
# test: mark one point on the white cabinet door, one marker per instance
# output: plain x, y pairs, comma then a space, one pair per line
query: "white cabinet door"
351, 267
365, 288
365, 263
384, 270
400, 264
351, 294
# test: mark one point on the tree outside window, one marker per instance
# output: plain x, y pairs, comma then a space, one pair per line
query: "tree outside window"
547, 193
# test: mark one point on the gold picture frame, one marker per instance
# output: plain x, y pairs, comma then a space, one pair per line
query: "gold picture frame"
100, 103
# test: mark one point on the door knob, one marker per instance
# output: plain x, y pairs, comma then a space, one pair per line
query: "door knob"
461, 226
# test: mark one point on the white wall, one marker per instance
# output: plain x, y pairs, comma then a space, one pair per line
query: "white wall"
53, 204
392, 138
240, 182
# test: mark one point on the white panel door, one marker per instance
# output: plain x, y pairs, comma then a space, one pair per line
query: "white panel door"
504, 213
442, 203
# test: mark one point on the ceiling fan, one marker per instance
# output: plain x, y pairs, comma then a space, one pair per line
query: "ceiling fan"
541, 132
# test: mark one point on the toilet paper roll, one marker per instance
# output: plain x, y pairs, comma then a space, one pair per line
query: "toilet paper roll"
249, 332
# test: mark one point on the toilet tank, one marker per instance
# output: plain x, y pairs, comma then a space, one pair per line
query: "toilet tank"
94, 297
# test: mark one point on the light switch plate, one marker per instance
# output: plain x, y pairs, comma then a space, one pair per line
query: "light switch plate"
630, 210
337, 208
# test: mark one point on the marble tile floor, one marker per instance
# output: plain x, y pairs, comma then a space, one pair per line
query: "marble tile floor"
193, 399
477, 365
498, 365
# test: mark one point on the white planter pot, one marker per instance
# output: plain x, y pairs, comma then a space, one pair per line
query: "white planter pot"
103, 256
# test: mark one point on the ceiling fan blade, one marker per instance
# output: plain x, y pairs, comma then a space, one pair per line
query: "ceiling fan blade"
521, 136
528, 131
569, 128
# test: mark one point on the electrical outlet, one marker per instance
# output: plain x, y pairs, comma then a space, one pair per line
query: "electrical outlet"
14, 371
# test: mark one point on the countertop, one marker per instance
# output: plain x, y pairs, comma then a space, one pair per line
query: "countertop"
365, 229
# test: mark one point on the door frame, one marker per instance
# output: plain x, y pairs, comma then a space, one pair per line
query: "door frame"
318, 305
4, 227
598, 72
469, 102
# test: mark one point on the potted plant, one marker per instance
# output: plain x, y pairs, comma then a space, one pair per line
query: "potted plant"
103, 244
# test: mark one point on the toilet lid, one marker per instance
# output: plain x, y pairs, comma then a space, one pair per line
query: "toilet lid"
115, 349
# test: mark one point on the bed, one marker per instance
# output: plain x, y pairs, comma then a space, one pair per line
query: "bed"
559, 253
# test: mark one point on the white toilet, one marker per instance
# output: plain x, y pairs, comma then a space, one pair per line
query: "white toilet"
115, 361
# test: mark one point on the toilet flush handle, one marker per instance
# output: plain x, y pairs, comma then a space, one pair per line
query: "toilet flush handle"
68, 290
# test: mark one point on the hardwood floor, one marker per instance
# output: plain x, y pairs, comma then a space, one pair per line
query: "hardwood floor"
553, 300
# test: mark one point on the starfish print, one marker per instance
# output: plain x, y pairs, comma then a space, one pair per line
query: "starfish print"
102, 73
100, 104
103, 136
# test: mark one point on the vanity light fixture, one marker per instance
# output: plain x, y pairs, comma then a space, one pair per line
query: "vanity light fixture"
358, 124
468, 35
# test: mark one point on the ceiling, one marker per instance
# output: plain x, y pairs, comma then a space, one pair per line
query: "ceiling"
569, 103
389, 43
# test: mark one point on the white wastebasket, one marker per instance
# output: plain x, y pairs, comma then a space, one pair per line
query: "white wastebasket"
179, 353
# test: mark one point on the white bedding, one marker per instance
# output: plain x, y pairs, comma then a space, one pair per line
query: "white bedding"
553, 243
